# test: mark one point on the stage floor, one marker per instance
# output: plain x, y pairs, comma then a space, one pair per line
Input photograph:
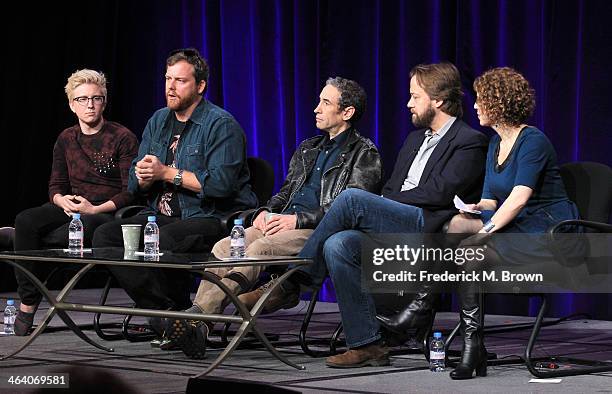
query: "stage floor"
152, 370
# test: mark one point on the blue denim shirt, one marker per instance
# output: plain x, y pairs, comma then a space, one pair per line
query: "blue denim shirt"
214, 149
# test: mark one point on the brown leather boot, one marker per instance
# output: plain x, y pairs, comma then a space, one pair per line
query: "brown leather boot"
371, 355
285, 296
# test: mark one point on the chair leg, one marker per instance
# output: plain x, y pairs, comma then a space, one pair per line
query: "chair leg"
143, 335
583, 366
304, 329
334, 339
96, 321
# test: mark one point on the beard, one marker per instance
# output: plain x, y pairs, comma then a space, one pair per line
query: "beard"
180, 103
424, 120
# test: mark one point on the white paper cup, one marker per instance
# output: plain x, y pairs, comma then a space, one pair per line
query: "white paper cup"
131, 236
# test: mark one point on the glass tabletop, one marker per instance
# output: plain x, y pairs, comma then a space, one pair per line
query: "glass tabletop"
166, 259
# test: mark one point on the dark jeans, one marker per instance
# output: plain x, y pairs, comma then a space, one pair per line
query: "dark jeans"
161, 288
335, 246
46, 227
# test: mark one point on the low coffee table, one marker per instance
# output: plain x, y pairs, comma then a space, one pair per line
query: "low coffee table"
116, 256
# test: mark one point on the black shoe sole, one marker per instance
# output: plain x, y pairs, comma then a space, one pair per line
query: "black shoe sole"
368, 363
189, 338
287, 305
175, 330
194, 343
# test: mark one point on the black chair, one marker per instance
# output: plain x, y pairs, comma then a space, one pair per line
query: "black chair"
262, 178
7, 235
589, 186
261, 181
7, 279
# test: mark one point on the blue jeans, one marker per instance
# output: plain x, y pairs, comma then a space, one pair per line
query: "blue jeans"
333, 248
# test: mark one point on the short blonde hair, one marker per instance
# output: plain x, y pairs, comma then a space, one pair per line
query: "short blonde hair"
84, 76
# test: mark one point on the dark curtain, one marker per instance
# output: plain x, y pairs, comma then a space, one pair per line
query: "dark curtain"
269, 60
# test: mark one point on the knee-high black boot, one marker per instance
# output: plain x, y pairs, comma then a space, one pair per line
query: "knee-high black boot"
473, 354
419, 313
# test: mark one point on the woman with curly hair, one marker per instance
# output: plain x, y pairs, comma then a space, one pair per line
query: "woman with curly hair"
523, 193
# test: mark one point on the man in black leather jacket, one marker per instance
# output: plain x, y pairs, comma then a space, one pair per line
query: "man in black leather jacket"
443, 158
321, 168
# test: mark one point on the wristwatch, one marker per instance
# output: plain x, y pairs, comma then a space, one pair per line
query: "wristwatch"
178, 178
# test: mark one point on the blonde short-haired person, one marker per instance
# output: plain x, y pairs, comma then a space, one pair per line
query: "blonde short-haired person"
89, 176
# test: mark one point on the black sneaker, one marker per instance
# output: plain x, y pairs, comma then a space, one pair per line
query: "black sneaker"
190, 335
194, 344
23, 323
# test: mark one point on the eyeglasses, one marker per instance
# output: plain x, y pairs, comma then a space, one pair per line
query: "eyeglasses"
84, 100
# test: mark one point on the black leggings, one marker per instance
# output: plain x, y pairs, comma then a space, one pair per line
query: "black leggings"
46, 227
161, 288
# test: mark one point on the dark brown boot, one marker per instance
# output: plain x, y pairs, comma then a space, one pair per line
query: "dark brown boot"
373, 355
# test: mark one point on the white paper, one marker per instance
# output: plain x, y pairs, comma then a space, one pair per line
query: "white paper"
459, 204
545, 381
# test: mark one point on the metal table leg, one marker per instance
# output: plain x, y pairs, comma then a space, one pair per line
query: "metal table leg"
249, 323
53, 310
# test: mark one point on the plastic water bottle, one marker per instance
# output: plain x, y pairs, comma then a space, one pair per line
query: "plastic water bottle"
151, 237
9, 318
237, 240
437, 354
75, 234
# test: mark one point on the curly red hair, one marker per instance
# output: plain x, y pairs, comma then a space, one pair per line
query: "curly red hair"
505, 96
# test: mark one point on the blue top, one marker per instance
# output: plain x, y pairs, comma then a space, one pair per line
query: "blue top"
532, 162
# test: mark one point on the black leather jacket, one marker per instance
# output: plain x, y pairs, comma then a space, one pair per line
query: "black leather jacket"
358, 165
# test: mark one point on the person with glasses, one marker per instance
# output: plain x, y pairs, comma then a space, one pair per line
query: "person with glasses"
89, 176
191, 168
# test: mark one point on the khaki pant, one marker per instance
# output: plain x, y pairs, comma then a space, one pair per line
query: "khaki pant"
211, 299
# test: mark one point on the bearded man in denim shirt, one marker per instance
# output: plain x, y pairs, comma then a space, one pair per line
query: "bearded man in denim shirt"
191, 167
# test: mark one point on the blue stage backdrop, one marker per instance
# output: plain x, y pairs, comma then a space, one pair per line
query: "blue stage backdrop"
270, 58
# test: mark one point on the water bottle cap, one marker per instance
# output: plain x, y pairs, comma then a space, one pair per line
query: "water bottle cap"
238, 222
437, 335
10, 302
76, 216
151, 218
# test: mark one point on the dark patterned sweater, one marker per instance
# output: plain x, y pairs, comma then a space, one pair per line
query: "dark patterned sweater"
94, 166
